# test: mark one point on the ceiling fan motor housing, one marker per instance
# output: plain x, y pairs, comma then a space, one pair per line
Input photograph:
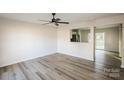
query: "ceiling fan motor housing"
53, 20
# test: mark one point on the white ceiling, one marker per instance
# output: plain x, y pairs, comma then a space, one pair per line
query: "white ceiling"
70, 17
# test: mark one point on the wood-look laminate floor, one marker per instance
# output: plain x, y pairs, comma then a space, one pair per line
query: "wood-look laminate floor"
108, 58
57, 67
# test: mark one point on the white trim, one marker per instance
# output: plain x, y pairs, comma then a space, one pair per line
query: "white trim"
15, 62
122, 65
122, 62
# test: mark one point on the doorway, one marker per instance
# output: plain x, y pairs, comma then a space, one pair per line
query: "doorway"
108, 45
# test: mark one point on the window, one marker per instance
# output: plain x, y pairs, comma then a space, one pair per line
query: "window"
100, 40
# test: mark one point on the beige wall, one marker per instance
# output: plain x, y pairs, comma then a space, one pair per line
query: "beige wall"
111, 38
22, 41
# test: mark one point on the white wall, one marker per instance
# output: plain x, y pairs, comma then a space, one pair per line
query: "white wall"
79, 49
21, 41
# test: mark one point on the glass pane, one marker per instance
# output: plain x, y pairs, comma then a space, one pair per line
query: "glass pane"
100, 40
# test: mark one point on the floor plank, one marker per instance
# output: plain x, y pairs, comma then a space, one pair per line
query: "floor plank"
61, 67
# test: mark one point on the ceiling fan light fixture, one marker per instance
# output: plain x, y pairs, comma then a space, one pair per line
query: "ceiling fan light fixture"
54, 20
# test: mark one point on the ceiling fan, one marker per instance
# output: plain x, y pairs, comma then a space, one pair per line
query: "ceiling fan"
54, 20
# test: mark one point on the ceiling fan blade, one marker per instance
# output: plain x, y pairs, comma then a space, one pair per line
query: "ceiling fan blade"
44, 20
58, 19
46, 23
63, 22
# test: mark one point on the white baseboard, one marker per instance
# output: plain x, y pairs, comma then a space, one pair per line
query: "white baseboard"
15, 62
91, 59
